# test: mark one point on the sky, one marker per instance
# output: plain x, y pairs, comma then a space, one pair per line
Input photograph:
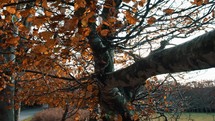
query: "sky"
199, 75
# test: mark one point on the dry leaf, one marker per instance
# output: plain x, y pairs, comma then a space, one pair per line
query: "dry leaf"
104, 32
151, 20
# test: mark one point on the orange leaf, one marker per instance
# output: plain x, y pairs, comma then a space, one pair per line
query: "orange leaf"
47, 13
141, 3
12, 85
130, 18
206, 1
79, 4
168, 11
37, 2
104, 32
151, 20
119, 117
164, 97
71, 24
86, 31
213, 14
197, 2
40, 49
112, 20
90, 88
44, 4
84, 22
13, 41
126, 1
46, 35
39, 21
135, 117
18, 15
11, 10
1, 88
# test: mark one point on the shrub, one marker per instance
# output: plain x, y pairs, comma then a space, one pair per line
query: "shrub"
56, 114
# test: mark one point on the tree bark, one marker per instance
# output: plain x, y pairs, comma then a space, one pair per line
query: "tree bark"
7, 104
196, 54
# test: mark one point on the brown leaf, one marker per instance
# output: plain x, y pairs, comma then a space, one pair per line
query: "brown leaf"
126, 1
14, 41
104, 32
168, 11
151, 20
11, 10
130, 18
44, 4
40, 49
46, 35
79, 4
71, 24
47, 13
39, 21
90, 88
141, 3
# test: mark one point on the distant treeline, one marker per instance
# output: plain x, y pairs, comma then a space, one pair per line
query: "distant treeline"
199, 96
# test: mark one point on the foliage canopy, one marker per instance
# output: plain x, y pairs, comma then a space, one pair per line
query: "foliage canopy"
63, 48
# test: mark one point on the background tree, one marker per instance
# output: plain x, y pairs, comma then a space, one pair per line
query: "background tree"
66, 50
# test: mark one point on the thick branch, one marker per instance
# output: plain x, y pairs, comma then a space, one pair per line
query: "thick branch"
196, 54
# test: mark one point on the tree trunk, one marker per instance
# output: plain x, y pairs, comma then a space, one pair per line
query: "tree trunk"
5, 113
7, 104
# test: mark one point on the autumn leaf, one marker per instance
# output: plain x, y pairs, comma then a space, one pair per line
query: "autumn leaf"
206, 1
47, 13
119, 117
112, 20
104, 32
84, 22
50, 43
14, 41
86, 31
71, 24
1, 88
135, 117
164, 97
44, 4
130, 18
126, 1
141, 3
11, 84
79, 4
151, 20
18, 15
46, 35
197, 2
39, 21
90, 88
213, 14
168, 11
37, 2
40, 49
11, 10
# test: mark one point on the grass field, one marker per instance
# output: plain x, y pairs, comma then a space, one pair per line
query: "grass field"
190, 117
183, 117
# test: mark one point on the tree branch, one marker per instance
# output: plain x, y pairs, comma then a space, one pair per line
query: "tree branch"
193, 55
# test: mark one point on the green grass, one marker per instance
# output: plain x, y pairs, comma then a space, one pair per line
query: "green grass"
27, 119
183, 117
190, 117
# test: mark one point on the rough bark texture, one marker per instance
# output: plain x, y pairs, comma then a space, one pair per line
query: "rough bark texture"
196, 54
111, 100
6, 113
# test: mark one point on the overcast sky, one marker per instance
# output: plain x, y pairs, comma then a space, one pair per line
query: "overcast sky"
197, 75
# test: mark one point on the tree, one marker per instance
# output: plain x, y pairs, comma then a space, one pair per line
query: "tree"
66, 50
